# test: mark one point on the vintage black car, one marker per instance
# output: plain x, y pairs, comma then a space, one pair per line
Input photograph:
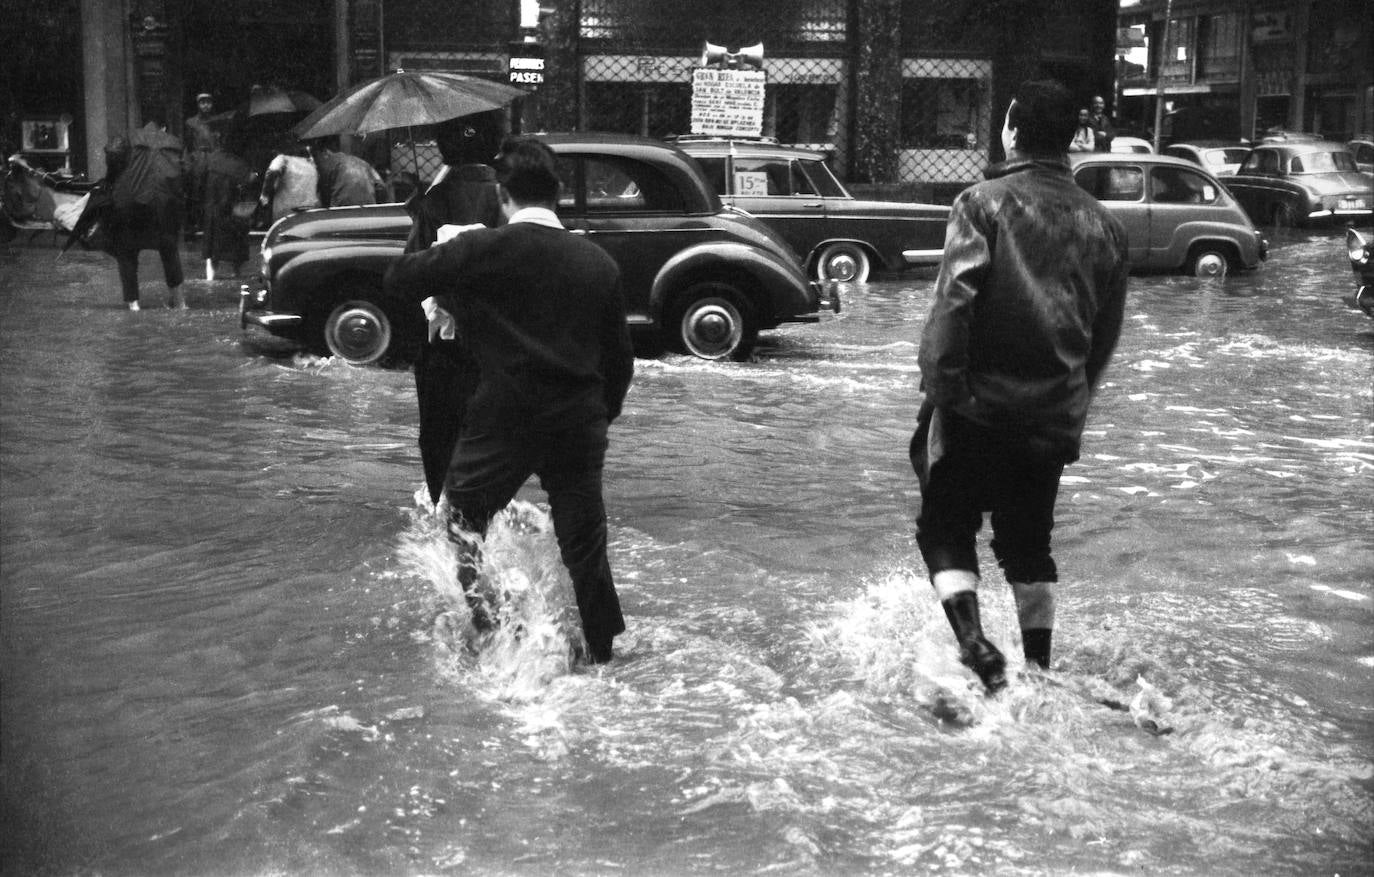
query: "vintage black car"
699, 277
839, 237
1302, 182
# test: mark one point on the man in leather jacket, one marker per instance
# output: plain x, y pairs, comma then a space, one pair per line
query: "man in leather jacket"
1027, 310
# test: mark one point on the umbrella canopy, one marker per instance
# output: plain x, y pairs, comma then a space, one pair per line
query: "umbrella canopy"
279, 100
401, 99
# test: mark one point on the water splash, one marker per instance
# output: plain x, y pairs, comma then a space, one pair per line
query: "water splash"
538, 633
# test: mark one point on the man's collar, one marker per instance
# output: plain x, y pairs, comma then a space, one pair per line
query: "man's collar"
535, 216
1001, 169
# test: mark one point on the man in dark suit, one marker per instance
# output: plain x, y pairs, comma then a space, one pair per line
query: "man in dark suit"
542, 313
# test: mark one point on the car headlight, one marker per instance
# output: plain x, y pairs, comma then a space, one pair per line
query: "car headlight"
1356, 246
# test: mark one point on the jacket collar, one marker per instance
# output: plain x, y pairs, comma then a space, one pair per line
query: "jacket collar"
1003, 168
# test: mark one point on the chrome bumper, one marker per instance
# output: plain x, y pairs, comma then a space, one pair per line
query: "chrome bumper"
253, 311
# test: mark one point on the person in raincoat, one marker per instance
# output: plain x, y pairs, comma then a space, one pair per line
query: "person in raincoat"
1027, 309
144, 180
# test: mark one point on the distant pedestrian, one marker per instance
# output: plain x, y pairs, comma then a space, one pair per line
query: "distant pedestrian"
543, 314
1103, 131
1027, 309
345, 180
145, 183
1084, 138
202, 138
229, 205
291, 182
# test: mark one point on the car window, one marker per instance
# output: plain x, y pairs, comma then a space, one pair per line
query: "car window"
1322, 163
610, 184
1364, 152
770, 176
822, 180
1112, 182
715, 172
1176, 185
1229, 156
1263, 161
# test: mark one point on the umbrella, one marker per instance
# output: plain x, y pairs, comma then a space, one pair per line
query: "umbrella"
280, 100
403, 100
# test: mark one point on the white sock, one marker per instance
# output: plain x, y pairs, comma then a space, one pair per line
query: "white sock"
949, 582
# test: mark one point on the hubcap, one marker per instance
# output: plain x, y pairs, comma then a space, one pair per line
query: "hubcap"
358, 336
843, 268
1211, 265
712, 331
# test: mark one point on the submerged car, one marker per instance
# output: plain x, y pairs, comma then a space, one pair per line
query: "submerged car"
1222, 159
838, 236
697, 276
1302, 182
1361, 252
1178, 217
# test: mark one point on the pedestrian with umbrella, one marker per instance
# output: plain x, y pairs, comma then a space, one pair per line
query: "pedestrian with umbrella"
443, 378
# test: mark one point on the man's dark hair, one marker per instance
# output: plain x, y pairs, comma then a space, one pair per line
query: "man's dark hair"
528, 169
1044, 117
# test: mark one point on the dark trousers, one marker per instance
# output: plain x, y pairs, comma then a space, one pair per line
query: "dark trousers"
488, 470
1011, 475
168, 250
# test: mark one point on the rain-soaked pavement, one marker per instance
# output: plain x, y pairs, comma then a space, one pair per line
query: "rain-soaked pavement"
231, 643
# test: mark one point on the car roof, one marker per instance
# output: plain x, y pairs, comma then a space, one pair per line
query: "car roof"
745, 146
1081, 159
1303, 147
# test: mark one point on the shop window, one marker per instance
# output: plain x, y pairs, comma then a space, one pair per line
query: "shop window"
940, 113
802, 113
1219, 46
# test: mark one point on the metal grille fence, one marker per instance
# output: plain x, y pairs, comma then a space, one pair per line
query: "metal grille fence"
945, 119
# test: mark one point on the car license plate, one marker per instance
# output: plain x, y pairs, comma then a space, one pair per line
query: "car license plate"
1353, 204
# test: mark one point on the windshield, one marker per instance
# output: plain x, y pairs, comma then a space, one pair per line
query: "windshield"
1227, 156
1323, 163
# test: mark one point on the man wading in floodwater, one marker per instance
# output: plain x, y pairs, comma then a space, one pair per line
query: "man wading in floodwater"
1027, 310
541, 312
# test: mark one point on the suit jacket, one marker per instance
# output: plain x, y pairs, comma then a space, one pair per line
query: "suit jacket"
542, 313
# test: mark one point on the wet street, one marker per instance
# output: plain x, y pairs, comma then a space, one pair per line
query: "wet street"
232, 642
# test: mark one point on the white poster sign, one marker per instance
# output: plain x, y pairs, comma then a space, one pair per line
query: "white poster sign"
727, 103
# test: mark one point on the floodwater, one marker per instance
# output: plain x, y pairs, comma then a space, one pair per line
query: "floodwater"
232, 645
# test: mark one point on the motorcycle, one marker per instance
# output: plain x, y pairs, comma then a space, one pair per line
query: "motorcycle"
1361, 252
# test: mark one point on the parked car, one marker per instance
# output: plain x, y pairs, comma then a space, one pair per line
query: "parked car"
1363, 151
1178, 217
1132, 145
1300, 182
839, 237
697, 276
1361, 251
1221, 158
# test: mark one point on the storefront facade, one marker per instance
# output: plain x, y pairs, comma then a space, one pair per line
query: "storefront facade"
900, 91
1232, 69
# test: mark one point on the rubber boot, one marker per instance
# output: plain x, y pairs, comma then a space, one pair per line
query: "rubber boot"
975, 652
1036, 643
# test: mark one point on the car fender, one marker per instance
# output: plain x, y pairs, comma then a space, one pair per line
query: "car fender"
881, 261
1189, 234
788, 292
309, 277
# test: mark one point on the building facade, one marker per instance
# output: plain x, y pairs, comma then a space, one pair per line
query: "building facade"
1232, 69
900, 91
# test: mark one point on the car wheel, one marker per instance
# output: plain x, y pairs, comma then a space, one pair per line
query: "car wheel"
1209, 262
713, 322
1285, 216
358, 332
843, 262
